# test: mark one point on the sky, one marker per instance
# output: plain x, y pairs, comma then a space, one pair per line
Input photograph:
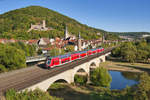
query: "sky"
109, 15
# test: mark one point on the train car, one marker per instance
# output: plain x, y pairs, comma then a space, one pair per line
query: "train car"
89, 52
83, 54
57, 60
52, 61
75, 56
94, 51
62, 59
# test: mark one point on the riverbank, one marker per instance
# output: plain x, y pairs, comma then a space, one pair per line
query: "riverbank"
124, 66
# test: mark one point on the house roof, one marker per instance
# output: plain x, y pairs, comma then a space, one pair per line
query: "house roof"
33, 41
46, 40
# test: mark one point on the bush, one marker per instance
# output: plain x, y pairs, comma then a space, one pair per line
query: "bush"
37, 94
100, 77
39, 51
11, 58
80, 79
56, 51
2, 68
56, 86
69, 48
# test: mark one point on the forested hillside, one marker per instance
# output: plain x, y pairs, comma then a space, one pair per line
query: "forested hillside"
16, 23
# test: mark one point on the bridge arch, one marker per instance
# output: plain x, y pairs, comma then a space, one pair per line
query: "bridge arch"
101, 60
81, 68
93, 64
81, 71
59, 80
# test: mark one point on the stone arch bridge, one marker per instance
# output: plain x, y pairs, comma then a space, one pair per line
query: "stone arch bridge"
69, 74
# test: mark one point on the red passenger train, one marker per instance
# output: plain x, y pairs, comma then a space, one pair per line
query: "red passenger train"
63, 59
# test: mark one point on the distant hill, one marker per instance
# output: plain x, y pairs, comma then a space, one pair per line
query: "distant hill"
133, 34
16, 23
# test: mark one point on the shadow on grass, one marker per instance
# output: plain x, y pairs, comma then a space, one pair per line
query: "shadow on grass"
69, 94
135, 67
115, 59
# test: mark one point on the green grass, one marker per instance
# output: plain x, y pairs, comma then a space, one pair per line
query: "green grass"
57, 86
124, 64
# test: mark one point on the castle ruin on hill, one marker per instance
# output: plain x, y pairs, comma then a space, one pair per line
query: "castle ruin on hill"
39, 27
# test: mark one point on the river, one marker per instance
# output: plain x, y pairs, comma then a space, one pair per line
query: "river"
122, 79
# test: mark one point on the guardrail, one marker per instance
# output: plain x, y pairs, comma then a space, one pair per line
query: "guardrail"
36, 58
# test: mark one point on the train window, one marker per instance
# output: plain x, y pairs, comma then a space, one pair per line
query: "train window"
48, 62
56, 61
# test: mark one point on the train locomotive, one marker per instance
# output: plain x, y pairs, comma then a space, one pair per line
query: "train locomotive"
63, 59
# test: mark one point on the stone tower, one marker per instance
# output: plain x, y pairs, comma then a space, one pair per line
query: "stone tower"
103, 37
66, 33
44, 24
79, 42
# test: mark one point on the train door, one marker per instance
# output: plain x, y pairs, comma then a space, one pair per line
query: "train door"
56, 61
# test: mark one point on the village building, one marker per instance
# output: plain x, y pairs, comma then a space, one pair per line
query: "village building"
43, 41
68, 36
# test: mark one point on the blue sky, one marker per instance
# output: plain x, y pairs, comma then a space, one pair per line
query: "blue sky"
110, 15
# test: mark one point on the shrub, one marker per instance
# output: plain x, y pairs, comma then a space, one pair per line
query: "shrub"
80, 79
100, 77
2, 68
37, 94
11, 58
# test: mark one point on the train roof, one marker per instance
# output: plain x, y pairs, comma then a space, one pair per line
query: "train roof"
68, 54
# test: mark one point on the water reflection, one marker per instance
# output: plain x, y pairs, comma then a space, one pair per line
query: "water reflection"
122, 79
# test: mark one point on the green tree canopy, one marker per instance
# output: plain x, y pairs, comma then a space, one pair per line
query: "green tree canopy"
11, 58
100, 77
128, 52
69, 48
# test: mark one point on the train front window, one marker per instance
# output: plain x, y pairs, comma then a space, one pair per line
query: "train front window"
48, 61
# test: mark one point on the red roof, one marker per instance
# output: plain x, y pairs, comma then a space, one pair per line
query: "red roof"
47, 49
2, 40
46, 40
33, 41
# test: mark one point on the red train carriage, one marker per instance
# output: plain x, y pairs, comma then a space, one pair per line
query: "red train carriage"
62, 59
83, 54
75, 56
89, 52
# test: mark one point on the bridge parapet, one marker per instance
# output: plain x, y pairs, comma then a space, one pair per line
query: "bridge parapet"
35, 59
